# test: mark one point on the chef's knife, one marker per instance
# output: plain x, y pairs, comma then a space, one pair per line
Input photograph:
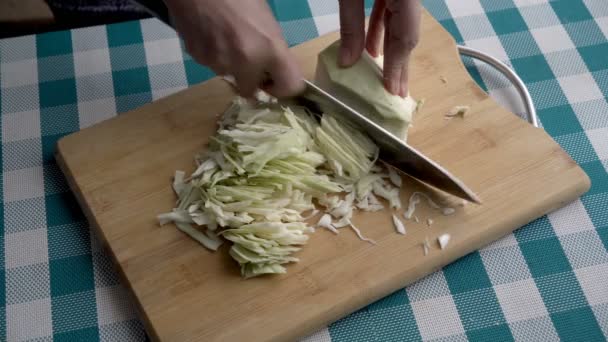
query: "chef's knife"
393, 150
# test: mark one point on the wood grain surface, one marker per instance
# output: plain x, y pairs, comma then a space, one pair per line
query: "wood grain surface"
121, 170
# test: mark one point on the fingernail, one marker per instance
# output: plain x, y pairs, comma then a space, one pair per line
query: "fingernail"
346, 57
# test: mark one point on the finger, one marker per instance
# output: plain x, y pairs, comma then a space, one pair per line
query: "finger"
352, 31
375, 31
218, 68
286, 76
402, 28
403, 84
248, 78
203, 57
271, 22
389, 69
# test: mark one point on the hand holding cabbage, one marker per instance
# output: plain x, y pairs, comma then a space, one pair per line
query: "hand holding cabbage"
243, 39
393, 28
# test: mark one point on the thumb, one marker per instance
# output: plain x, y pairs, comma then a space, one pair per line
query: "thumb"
352, 31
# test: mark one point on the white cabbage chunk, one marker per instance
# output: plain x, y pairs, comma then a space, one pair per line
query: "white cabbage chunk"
361, 87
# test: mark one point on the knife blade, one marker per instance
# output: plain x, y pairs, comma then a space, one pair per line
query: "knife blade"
393, 150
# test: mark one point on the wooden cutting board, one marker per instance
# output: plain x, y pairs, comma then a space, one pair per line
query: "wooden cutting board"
121, 170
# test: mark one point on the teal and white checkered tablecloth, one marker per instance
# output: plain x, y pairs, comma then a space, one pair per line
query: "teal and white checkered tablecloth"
547, 281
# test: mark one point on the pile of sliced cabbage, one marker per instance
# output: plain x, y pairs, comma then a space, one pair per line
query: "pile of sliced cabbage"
268, 168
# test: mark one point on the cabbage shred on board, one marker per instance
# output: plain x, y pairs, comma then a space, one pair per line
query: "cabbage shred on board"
264, 169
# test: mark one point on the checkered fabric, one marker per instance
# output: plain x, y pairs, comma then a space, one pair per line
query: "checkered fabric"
546, 281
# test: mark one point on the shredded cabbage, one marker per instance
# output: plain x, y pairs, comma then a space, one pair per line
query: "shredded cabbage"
425, 246
394, 176
325, 222
415, 199
443, 240
399, 227
360, 235
447, 211
266, 166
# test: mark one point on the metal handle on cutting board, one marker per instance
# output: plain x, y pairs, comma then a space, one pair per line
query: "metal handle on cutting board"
508, 73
